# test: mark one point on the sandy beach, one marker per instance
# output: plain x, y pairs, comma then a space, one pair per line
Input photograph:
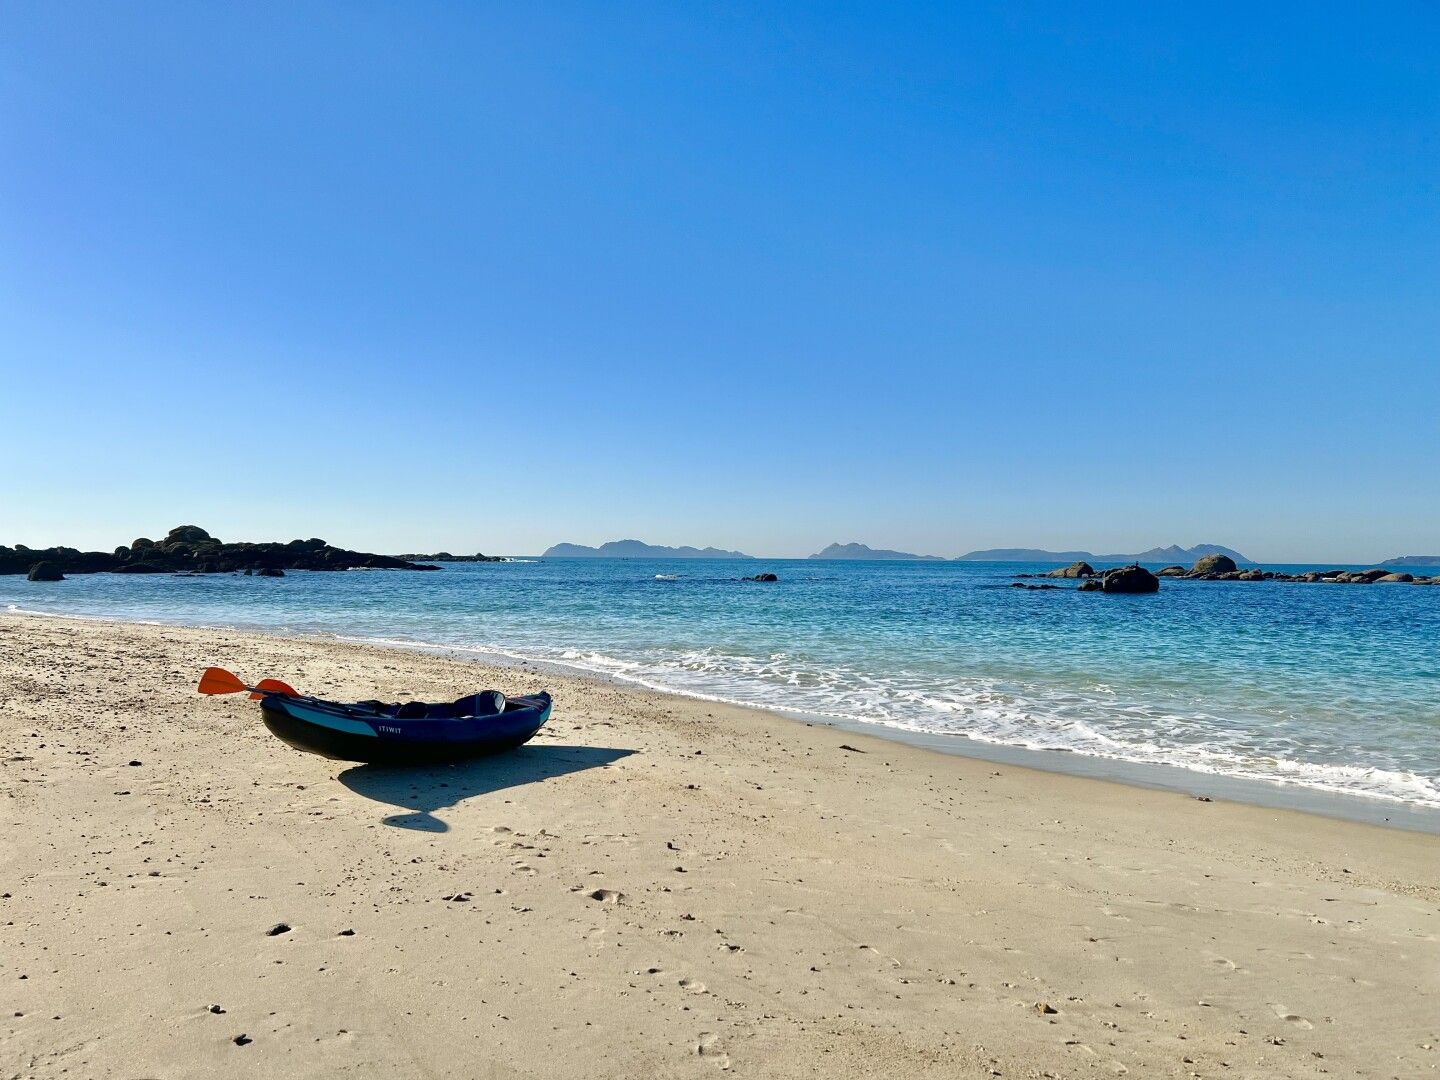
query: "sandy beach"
656, 886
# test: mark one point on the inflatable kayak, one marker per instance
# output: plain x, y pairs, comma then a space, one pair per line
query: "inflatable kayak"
395, 734
406, 734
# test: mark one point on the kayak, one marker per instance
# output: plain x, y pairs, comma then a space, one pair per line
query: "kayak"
412, 733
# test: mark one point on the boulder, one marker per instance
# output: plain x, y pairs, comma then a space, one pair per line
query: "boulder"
1090, 585
186, 534
45, 571
1074, 570
763, 577
1402, 576
1366, 577
1170, 571
270, 571
1212, 564
1129, 579
1250, 575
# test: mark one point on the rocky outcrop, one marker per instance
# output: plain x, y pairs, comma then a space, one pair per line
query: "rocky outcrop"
1090, 585
445, 556
269, 571
190, 549
45, 571
1130, 579
1074, 570
762, 577
1023, 585
1402, 576
1171, 571
1212, 565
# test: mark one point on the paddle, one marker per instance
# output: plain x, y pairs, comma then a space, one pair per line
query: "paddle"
219, 681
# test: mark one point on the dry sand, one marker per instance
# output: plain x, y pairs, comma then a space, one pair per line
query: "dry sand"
656, 887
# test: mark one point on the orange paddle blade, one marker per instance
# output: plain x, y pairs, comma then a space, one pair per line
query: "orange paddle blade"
219, 681
273, 686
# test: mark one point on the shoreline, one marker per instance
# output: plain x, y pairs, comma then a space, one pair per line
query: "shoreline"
1176, 779
1251, 791
655, 886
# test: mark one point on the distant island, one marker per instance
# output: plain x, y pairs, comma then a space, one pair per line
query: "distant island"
445, 556
637, 549
1411, 560
1172, 554
864, 551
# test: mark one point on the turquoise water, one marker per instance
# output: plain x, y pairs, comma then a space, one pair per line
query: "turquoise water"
1330, 687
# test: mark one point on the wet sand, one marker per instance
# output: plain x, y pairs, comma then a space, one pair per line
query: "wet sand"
656, 886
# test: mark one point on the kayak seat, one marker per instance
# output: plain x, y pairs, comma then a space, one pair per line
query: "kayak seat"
485, 703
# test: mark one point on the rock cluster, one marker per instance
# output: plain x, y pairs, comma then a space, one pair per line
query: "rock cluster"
1206, 570
1074, 570
445, 556
189, 548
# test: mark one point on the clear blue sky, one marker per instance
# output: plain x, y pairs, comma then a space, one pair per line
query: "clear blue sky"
930, 277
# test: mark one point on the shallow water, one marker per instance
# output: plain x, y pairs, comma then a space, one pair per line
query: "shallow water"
1331, 687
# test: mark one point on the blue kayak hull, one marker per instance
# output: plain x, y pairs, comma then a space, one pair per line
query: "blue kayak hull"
355, 733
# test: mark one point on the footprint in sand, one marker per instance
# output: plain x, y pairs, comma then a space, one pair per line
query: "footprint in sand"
1289, 1017
708, 1047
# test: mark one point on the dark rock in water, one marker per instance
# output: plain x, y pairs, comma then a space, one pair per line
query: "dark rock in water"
1251, 575
141, 568
1092, 585
1032, 588
249, 572
269, 571
1074, 570
45, 571
445, 556
1367, 577
1397, 577
762, 577
1171, 571
1212, 564
1129, 579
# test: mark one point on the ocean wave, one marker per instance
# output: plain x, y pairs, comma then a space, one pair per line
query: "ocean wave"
982, 710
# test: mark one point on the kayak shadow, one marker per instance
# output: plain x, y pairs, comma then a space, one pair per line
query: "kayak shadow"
423, 789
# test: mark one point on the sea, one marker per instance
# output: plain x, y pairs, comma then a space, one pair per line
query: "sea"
1325, 697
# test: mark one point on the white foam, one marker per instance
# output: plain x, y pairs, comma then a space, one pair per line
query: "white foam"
982, 711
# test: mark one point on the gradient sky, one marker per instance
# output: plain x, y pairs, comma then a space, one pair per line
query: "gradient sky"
417, 276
